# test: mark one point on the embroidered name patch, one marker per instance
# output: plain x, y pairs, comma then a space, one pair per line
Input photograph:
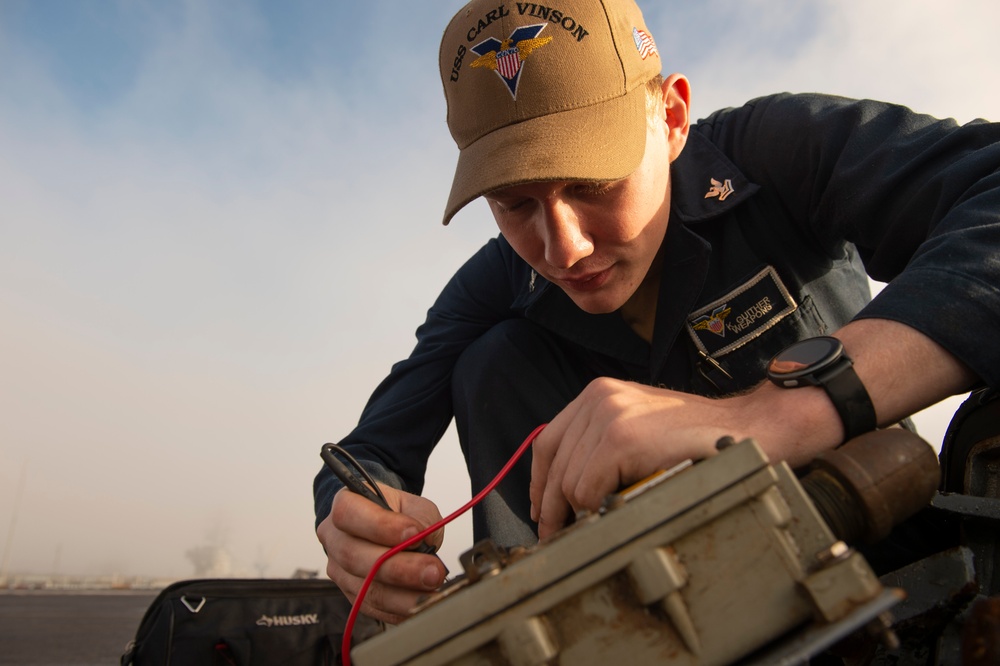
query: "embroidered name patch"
741, 315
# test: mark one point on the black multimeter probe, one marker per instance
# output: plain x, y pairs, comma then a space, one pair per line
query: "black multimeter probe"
363, 485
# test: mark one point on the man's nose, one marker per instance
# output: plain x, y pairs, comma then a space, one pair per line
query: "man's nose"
565, 240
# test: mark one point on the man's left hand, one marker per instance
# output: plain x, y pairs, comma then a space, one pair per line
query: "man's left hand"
614, 434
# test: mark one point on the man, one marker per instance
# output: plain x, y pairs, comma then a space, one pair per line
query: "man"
646, 272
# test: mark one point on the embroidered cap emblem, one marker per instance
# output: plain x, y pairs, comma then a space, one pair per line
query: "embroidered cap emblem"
714, 322
721, 190
506, 57
644, 43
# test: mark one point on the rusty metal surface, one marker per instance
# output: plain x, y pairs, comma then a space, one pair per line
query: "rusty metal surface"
883, 477
798, 648
940, 585
981, 634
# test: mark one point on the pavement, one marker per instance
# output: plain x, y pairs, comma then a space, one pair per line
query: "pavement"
68, 628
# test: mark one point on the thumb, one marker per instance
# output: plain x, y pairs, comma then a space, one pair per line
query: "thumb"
424, 514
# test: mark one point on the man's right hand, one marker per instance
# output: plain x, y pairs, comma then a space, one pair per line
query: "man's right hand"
357, 532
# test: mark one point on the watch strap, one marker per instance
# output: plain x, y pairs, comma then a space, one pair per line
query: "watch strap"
850, 398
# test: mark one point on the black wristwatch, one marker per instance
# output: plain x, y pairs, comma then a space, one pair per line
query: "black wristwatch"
822, 362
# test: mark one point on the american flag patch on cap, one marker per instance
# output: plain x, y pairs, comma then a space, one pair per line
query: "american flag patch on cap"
644, 43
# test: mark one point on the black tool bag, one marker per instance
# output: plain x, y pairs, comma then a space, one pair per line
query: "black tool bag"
244, 622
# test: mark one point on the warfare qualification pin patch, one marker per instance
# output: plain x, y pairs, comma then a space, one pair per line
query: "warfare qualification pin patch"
506, 57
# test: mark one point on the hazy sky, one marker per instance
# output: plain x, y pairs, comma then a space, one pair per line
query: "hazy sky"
220, 224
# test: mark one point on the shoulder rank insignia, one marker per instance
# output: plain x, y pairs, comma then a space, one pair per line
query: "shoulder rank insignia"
721, 190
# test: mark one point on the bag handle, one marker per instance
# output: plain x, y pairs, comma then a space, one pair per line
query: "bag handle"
190, 605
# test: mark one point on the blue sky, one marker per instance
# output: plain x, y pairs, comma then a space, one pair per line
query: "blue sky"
221, 224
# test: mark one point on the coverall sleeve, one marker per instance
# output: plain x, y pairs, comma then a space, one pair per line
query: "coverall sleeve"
918, 196
411, 408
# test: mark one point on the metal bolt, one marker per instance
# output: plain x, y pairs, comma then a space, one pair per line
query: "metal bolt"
837, 551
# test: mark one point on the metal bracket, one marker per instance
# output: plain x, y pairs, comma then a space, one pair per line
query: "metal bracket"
968, 505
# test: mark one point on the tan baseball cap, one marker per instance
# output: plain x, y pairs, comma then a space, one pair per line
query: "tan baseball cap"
545, 92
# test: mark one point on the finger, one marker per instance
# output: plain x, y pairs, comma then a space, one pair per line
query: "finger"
407, 569
366, 532
554, 508
355, 515
571, 462
390, 605
556, 505
574, 450
553, 512
384, 602
597, 469
551, 507
541, 458
587, 485
543, 450
573, 468
402, 580
426, 513
398, 584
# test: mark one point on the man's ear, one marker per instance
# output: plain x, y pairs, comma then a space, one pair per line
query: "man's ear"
676, 91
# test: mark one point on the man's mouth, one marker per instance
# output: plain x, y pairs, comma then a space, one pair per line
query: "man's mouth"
587, 281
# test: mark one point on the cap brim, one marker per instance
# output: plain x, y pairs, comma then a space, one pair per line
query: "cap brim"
604, 141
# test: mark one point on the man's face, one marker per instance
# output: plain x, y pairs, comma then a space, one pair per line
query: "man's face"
596, 241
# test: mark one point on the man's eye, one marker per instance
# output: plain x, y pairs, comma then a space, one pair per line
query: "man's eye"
506, 206
595, 188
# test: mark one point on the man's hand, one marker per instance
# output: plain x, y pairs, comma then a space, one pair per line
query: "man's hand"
616, 433
357, 533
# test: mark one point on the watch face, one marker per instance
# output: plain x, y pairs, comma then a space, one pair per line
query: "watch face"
804, 358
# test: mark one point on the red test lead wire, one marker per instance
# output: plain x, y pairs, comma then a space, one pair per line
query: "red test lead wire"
345, 647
